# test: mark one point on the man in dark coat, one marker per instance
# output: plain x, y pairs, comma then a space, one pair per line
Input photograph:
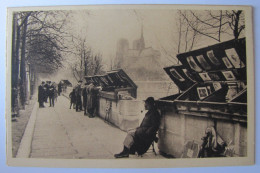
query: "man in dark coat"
59, 88
78, 92
84, 94
140, 140
41, 95
51, 94
72, 99
92, 104
46, 94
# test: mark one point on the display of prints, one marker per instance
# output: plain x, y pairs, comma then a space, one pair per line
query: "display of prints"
193, 64
227, 62
212, 57
202, 92
176, 75
234, 58
204, 76
187, 74
229, 75
217, 86
203, 62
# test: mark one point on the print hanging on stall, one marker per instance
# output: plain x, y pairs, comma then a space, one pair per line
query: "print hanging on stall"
205, 76
193, 64
212, 57
234, 58
217, 86
203, 62
176, 75
229, 75
202, 92
227, 62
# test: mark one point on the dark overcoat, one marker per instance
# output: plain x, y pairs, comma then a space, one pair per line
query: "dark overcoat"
41, 93
145, 134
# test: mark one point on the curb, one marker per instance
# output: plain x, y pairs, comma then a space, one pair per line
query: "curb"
24, 149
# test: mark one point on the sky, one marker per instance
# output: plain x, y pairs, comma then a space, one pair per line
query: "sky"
102, 28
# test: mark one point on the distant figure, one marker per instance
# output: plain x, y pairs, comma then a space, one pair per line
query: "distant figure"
140, 140
46, 94
85, 98
72, 99
51, 94
59, 88
41, 95
92, 92
78, 92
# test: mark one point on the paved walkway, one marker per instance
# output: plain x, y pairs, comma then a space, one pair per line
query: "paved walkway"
61, 132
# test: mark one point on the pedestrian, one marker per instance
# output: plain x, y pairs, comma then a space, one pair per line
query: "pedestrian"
41, 95
46, 94
59, 88
92, 92
51, 94
84, 94
78, 92
142, 137
72, 96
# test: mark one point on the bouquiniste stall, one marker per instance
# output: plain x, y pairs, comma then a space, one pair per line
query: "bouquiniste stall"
117, 99
213, 93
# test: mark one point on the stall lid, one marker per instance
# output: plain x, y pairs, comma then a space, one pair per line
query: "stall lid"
90, 78
121, 79
225, 61
103, 80
180, 76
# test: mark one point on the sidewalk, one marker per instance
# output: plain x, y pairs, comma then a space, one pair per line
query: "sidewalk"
61, 132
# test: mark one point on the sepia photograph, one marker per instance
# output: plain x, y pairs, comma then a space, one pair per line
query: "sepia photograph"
130, 86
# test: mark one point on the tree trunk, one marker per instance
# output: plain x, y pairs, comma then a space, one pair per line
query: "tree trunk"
23, 86
15, 64
236, 30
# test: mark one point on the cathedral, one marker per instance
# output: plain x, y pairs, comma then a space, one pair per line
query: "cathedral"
137, 59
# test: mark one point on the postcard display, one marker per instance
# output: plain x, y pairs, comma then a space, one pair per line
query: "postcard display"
213, 86
117, 99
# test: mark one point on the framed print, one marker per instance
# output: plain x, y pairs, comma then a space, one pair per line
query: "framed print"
212, 57
217, 86
203, 62
202, 92
227, 62
176, 75
205, 76
229, 75
234, 58
193, 64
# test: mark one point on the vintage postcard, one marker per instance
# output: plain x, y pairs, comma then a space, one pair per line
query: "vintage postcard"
130, 86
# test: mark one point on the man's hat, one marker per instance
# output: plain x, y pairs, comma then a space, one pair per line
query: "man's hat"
150, 100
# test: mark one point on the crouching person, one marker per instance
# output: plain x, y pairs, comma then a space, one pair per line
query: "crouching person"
140, 140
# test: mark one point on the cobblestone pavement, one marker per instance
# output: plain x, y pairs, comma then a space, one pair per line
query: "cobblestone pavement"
61, 132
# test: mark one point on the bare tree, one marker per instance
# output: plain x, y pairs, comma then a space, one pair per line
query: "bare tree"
37, 42
215, 24
85, 62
